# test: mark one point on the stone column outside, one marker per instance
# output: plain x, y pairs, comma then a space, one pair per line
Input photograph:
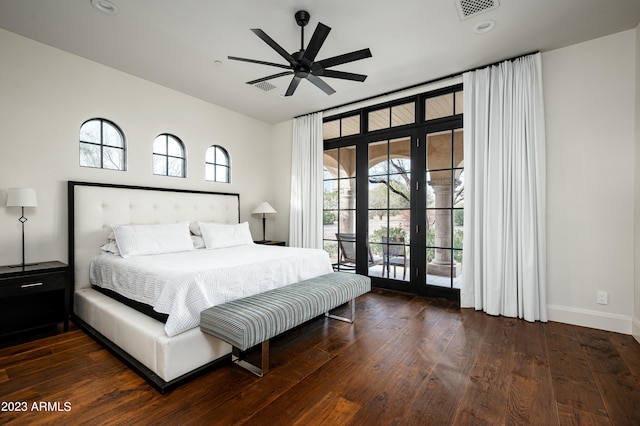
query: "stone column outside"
443, 263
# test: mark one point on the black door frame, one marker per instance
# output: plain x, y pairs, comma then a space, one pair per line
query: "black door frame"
417, 132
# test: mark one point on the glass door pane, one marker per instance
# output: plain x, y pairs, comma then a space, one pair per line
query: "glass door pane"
445, 208
339, 207
389, 210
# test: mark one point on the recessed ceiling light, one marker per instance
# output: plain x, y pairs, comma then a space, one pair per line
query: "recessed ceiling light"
484, 27
105, 6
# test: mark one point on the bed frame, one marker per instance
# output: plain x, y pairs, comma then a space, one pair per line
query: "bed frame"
138, 340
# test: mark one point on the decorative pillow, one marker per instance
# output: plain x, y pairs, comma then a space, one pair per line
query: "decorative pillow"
138, 240
219, 235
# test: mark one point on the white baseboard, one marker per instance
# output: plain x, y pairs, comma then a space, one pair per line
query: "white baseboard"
594, 319
636, 329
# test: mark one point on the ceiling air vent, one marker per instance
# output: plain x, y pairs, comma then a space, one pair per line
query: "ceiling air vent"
265, 85
469, 8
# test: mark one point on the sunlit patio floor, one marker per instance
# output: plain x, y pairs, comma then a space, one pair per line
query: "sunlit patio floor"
376, 271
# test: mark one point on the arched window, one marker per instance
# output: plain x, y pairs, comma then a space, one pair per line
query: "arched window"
102, 145
217, 164
168, 156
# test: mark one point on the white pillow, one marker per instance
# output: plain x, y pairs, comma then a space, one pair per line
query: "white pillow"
219, 235
138, 240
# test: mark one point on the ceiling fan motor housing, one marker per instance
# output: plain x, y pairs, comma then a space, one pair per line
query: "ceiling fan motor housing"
302, 17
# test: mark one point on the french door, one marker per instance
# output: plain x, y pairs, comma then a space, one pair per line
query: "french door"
394, 199
389, 215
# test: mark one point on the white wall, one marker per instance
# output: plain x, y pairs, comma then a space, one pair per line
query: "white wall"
636, 316
46, 94
589, 112
282, 142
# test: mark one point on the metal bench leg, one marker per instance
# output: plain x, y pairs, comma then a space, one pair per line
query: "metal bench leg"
352, 305
236, 357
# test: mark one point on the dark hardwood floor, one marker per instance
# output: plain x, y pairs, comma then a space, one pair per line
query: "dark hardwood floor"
407, 360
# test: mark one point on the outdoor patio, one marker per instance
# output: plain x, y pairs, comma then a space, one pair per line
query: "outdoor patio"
376, 271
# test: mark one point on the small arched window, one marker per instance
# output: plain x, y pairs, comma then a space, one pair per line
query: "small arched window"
102, 145
168, 156
217, 164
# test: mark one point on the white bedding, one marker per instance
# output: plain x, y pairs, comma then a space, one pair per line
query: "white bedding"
184, 284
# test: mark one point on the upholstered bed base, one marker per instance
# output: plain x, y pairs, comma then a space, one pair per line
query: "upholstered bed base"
138, 340
168, 359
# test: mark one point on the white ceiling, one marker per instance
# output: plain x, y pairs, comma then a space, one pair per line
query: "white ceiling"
176, 42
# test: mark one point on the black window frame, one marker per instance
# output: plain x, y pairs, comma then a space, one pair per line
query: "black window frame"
102, 144
167, 156
217, 164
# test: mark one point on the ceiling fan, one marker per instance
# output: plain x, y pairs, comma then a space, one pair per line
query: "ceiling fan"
302, 64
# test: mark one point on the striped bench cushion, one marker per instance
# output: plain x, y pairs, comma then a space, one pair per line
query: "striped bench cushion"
246, 322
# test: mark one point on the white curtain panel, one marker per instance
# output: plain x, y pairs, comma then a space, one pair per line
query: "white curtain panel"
305, 223
504, 266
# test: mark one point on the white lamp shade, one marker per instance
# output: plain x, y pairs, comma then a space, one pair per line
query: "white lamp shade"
22, 197
263, 208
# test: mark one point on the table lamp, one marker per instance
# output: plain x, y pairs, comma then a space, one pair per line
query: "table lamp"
264, 209
22, 197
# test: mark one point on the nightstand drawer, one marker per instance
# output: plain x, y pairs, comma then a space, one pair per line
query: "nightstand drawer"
33, 283
32, 297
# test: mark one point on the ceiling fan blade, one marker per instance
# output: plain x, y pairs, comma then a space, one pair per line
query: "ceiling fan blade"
321, 84
344, 75
317, 39
275, 46
343, 59
253, 61
293, 85
280, 74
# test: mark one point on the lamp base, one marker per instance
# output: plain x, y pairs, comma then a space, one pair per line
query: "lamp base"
264, 227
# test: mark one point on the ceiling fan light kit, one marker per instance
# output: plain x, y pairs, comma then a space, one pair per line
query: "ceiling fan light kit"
302, 64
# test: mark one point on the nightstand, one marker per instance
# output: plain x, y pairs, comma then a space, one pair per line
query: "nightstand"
34, 297
271, 243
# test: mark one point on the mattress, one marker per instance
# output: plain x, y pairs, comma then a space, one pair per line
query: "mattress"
184, 284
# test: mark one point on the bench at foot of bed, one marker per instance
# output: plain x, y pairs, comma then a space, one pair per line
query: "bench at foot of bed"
253, 320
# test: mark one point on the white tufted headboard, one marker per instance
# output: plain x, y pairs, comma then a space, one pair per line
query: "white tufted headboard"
94, 207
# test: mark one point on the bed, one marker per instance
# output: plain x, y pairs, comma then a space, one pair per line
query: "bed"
166, 353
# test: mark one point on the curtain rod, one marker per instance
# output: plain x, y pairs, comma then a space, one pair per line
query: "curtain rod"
435, 80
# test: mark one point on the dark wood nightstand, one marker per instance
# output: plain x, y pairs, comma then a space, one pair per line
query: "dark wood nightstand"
271, 243
34, 297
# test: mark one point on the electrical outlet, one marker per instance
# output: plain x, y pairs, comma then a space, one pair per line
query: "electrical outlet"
602, 298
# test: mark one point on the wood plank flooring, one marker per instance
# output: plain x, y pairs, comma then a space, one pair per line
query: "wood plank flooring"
407, 361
